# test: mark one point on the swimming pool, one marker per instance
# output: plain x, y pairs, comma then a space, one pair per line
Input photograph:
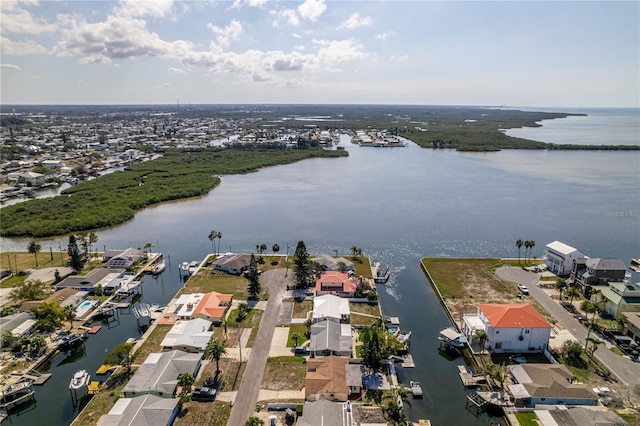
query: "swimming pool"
84, 307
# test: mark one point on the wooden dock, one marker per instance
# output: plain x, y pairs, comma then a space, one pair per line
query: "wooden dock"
408, 361
468, 379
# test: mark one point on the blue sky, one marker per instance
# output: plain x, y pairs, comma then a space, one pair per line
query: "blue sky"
513, 53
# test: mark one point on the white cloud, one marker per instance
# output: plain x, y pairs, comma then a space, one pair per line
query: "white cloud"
227, 34
399, 58
176, 71
237, 4
15, 19
296, 35
10, 66
26, 47
385, 36
141, 8
311, 10
288, 15
354, 21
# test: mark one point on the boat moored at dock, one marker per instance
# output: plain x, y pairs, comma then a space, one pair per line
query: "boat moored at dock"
80, 379
416, 389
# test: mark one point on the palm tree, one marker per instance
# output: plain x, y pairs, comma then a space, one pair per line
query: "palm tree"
254, 421
353, 250
532, 244
243, 309
147, 247
379, 323
69, 313
219, 237
38, 343
481, 337
295, 336
275, 247
561, 286
527, 249
519, 243
216, 349
34, 248
595, 342
212, 236
622, 321
572, 292
186, 380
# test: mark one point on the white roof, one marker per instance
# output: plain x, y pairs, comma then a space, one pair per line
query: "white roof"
194, 333
330, 306
561, 247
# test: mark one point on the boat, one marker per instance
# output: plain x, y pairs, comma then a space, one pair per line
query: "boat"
80, 379
158, 267
15, 394
450, 337
71, 340
416, 389
189, 267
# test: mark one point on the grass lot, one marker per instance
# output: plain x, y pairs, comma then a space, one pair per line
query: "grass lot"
362, 265
301, 309
252, 321
284, 372
151, 343
527, 419
231, 372
302, 330
365, 308
26, 261
103, 401
204, 413
205, 281
450, 274
361, 320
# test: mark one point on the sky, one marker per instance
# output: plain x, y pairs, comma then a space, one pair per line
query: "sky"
512, 53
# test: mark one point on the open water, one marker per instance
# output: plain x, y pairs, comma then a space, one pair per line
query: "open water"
398, 205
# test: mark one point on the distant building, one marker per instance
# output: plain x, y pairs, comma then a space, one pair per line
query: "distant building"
122, 259
587, 272
620, 297
109, 279
329, 263
233, 263
559, 257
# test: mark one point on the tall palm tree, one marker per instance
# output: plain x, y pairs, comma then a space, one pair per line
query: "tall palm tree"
353, 250
572, 292
216, 349
519, 244
532, 244
186, 380
561, 286
34, 248
527, 249
295, 336
69, 313
481, 337
219, 237
212, 236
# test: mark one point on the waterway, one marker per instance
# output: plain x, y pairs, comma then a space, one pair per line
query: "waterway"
398, 205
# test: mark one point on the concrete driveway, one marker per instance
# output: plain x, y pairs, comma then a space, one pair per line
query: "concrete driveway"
247, 396
626, 370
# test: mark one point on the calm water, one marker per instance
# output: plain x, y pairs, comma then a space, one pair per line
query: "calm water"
398, 205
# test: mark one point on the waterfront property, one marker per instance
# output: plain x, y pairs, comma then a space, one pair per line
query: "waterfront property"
330, 338
158, 374
327, 379
65, 297
212, 306
336, 283
559, 257
588, 272
509, 327
332, 308
144, 410
122, 259
620, 297
633, 325
20, 324
109, 279
547, 384
329, 263
188, 336
232, 263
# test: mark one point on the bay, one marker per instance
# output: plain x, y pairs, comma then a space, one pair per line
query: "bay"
398, 205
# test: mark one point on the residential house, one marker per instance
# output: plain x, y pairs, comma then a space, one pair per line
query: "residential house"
336, 283
580, 415
619, 297
330, 307
559, 257
330, 338
65, 297
509, 327
633, 325
122, 259
188, 336
327, 379
109, 279
233, 263
31, 178
145, 410
588, 272
212, 306
329, 263
19, 325
548, 384
158, 374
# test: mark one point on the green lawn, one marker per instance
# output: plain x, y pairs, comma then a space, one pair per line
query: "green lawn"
450, 274
302, 330
364, 320
362, 266
152, 343
205, 281
284, 373
527, 419
365, 308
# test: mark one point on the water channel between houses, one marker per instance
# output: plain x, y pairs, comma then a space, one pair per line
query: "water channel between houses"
398, 205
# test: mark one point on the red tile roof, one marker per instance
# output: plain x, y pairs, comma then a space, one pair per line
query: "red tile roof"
513, 316
213, 304
336, 278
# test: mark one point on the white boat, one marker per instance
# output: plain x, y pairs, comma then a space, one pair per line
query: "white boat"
416, 389
80, 378
158, 267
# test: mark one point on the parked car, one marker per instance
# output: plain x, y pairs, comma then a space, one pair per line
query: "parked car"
203, 394
523, 288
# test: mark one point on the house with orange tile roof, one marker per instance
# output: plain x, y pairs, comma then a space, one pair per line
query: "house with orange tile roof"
212, 306
337, 283
509, 327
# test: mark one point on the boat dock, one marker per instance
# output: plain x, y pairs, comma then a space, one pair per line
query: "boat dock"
416, 389
469, 380
15, 394
380, 275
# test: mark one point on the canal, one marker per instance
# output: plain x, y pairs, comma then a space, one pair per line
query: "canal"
398, 205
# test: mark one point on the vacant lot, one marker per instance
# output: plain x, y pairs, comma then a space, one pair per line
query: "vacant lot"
372, 309
152, 343
464, 283
204, 413
205, 281
284, 373
301, 309
230, 374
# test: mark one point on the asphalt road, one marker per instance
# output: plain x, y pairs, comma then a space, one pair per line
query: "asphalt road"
247, 397
623, 368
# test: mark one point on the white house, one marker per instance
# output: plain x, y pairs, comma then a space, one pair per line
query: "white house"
188, 336
332, 308
559, 257
509, 327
